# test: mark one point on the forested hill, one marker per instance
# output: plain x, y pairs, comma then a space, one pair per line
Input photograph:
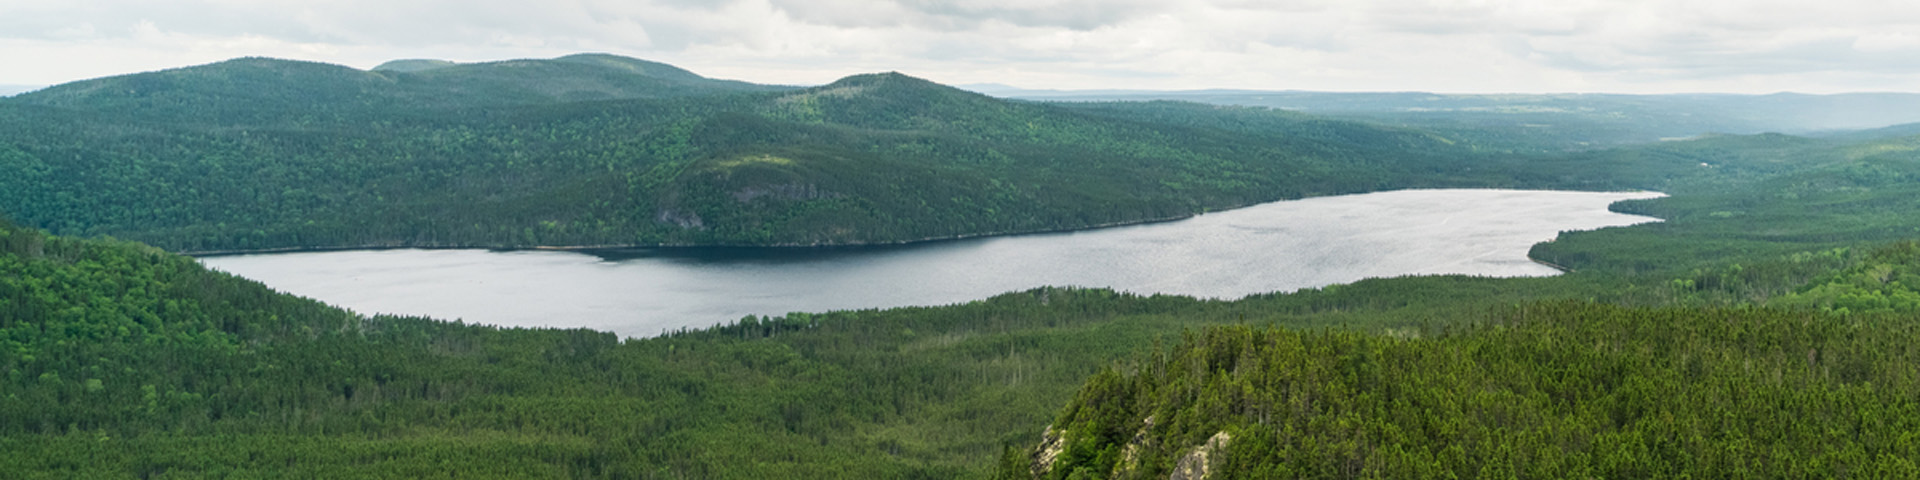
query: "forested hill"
601, 150
1765, 329
265, 92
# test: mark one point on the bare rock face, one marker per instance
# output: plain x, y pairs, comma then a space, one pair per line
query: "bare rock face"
1130, 458
784, 191
1052, 443
1194, 466
687, 220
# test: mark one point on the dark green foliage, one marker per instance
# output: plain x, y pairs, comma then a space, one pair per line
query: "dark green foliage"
1769, 197
283, 386
598, 150
1649, 360
269, 383
1554, 390
266, 93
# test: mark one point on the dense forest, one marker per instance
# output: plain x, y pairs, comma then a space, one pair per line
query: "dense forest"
599, 150
1763, 329
1551, 390
124, 360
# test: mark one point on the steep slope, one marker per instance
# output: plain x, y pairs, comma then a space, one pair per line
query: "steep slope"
99, 333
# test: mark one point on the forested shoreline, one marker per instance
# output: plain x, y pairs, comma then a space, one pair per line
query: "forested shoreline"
616, 247
1765, 328
262, 154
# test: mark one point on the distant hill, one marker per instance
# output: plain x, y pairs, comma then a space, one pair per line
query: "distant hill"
1556, 121
260, 153
264, 91
412, 65
1901, 130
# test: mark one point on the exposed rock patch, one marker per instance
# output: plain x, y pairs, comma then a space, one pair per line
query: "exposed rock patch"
1130, 458
785, 191
688, 220
1195, 465
1052, 444
848, 91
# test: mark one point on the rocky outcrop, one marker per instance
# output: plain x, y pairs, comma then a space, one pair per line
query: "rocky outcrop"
1195, 465
688, 220
1130, 458
1052, 443
785, 191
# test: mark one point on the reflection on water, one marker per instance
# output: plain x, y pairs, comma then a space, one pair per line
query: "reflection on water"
1281, 246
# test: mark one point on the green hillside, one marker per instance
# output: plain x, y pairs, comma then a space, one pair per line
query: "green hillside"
266, 154
265, 93
1762, 330
1556, 390
126, 361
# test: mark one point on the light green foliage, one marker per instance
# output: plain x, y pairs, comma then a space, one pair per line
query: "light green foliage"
1887, 281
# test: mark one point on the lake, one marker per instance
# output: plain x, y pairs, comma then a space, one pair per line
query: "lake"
1280, 246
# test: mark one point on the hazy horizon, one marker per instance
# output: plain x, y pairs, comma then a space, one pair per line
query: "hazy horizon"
991, 88
1495, 46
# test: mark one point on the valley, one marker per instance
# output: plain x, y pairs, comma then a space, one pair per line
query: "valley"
1762, 325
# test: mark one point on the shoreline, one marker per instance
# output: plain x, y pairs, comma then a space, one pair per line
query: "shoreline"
633, 246
775, 260
1562, 268
894, 243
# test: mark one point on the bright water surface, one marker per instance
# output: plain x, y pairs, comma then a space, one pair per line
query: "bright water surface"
1281, 246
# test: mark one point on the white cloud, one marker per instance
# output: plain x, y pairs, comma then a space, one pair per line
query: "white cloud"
1439, 45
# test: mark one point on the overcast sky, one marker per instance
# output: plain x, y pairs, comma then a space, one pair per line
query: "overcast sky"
1631, 46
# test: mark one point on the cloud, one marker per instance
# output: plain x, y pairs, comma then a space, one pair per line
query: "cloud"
1445, 45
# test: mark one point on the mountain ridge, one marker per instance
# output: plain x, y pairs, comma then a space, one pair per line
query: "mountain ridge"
265, 83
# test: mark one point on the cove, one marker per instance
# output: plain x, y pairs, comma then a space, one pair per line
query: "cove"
1279, 246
